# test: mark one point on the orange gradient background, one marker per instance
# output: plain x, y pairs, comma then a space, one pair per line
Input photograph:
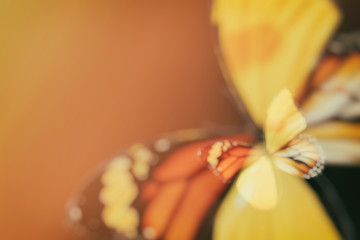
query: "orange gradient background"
80, 80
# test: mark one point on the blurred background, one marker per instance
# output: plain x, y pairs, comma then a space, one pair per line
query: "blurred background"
81, 79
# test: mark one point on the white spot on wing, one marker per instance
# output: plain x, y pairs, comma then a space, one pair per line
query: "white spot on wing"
162, 145
75, 213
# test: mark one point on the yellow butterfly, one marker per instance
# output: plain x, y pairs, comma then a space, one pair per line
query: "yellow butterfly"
285, 148
266, 46
263, 48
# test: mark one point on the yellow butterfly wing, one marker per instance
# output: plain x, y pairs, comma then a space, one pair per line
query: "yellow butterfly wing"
257, 184
283, 122
302, 157
297, 212
295, 154
268, 45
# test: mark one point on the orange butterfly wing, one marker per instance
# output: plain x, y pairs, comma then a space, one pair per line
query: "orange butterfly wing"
226, 157
302, 157
171, 203
333, 103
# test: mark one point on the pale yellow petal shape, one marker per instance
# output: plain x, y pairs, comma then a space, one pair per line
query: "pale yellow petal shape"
283, 122
339, 140
341, 151
257, 184
298, 215
335, 129
268, 45
323, 105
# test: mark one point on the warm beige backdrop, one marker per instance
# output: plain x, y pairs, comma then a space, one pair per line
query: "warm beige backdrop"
80, 80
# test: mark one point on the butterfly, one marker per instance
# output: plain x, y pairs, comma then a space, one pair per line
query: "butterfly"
333, 102
173, 187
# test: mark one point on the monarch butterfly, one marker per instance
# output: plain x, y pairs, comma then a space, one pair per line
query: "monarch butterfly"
173, 187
